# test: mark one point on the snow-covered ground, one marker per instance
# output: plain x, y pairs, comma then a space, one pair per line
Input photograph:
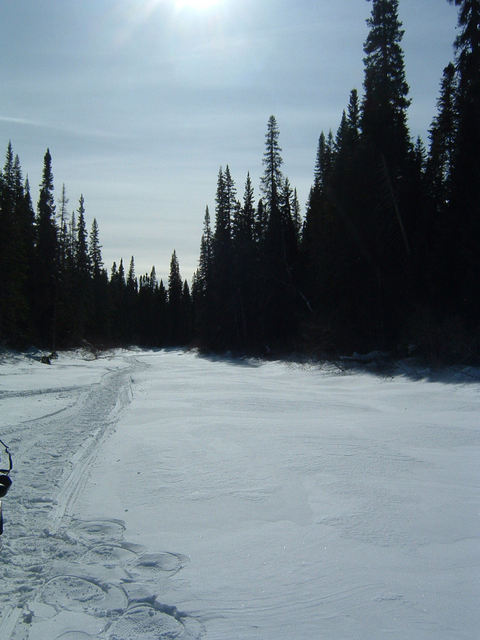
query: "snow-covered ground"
160, 495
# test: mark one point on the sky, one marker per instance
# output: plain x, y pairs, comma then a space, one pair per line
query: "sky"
142, 101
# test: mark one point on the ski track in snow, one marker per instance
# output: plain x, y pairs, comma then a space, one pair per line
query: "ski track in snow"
65, 578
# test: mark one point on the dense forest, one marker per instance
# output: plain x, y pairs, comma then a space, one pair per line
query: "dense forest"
387, 255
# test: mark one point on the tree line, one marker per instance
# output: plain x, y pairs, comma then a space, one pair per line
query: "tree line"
54, 289
385, 257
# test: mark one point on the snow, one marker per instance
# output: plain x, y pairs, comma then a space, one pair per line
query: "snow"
161, 495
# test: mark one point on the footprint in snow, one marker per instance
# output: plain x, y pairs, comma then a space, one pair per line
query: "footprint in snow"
102, 588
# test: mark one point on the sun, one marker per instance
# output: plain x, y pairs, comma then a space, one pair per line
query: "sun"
196, 4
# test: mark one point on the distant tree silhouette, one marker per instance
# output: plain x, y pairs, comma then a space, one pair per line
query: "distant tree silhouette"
465, 205
175, 309
46, 260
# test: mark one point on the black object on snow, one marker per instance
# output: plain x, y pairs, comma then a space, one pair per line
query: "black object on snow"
5, 481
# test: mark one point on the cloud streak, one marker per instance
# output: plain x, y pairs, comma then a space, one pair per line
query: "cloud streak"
61, 128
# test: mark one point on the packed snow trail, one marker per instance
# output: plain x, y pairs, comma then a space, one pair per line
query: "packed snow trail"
160, 495
62, 577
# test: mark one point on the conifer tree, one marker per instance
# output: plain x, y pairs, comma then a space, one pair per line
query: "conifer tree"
206, 255
243, 224
162, 314
16, 244
187, 315
82, 257
46, 263
117, 321
245, 269
202, 291
174, 281
260, 223
222, 263
443, 133
132, 331
62, 229
95, 250
385, 217
175, 310
132, 284
153, 279
272, 161
99, 323
278, 314
314, 225
385, 102
75, 295
121, 274
353, 116
465, 204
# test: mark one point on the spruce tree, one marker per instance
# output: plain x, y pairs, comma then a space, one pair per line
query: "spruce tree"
46, 263
95, 250
98, 328
28, 234
117, 289
353, 116
272, 161
245, 270
465, 206
277, 291
222, 263
202, 291
82, 257
385, 175
132, 284
186, 315
81, 301
16, 244
175, 308
206, 254
385, 102
443, 134
62, 228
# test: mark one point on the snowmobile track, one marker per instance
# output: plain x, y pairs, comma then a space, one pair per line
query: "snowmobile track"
52, 565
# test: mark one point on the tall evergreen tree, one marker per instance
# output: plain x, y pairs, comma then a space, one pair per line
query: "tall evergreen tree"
82, 256
245, 269
222, 264
206, 254
132, 284
443, 134
389, 214
186, 315
353, 116
277, 292
117, 288
465, 204
99, 322
16, 244
243, 224
439, 241
272, 161
95, 250
175, 310
202, 285
82, 302
63, 229
46, 263
385, 102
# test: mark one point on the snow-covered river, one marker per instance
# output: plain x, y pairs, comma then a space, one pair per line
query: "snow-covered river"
160, 495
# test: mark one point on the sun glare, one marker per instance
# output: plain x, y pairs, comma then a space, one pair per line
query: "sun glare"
196, 4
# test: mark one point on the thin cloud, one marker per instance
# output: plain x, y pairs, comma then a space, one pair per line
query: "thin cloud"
72, 130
